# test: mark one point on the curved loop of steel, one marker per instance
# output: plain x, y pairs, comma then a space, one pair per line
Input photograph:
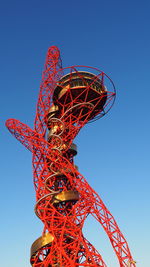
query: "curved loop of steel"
64, 198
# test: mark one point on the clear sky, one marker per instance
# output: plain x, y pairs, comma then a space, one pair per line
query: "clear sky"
113, 152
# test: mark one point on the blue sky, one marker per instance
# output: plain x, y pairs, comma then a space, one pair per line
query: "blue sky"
113, 152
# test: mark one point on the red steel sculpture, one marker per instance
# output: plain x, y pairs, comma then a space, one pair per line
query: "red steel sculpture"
68, 99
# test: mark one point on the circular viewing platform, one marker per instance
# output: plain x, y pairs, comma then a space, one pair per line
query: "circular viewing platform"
82, 88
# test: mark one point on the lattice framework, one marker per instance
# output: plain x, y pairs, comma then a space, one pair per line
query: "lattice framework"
64, 198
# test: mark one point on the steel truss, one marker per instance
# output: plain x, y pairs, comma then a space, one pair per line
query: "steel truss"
68, 99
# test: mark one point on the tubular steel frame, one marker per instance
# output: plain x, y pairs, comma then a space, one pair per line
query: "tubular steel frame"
64, 199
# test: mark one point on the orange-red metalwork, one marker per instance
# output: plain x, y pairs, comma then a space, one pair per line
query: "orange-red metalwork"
68, 99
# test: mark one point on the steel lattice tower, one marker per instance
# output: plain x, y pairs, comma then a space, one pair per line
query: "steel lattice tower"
68, 99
